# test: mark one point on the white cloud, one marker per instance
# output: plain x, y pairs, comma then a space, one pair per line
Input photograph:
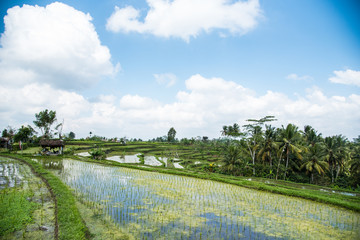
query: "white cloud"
295, 77
56, 44
201, 110
348, 77
187, 18
167, 79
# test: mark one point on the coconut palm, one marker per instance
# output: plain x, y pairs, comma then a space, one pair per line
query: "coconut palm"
269, 145
290, 136
232, 159
311, 136
337, 153
315, 160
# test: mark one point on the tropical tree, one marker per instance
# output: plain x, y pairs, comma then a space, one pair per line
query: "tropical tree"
231, 131
269, 145
315, 160
311, 136
24, 134
171, 135
44, 120
289, 138
253, 131
337, 153
9, 132
354, 163
232, 160
72, 135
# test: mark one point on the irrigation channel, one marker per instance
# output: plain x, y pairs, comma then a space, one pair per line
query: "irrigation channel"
27, 209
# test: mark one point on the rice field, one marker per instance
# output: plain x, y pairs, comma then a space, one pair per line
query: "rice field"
149, 205
26, 206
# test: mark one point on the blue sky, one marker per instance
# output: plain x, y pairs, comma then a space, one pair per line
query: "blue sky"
194, 69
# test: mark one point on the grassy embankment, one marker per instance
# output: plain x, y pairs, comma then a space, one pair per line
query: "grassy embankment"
68, 222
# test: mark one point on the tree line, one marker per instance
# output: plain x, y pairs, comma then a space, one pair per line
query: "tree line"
289, 153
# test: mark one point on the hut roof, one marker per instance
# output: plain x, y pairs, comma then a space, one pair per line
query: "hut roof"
52, 143
4, 139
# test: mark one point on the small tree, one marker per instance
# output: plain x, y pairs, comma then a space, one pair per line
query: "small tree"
171, 135
72, 135
44, 120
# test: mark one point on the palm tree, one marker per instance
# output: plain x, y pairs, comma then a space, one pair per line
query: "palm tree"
290, 136
336, 154
253, 141
269, 145
311, 136
354, 164
232, 159
231, 131
224, 131
315, 160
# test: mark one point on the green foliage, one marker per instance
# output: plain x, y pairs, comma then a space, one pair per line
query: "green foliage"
44, 120
171, 135
24, 134
97, 153
71, 135
231, 131
232, 160
15, 210
141, 158
69, 151
16, 146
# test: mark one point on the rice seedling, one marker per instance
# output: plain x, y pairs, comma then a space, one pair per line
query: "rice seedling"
153, 205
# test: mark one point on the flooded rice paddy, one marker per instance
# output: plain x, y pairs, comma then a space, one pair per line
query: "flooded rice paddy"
148, 205
27, 210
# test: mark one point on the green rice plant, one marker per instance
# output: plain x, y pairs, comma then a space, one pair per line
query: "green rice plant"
15, 210
172, 204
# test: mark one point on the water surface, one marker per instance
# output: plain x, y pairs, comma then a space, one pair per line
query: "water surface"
149, 205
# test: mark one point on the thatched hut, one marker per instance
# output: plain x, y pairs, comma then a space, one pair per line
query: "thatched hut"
52, 144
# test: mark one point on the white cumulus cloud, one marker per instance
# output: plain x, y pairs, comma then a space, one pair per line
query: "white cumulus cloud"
56, 44
200, 110
187, 18
348, 77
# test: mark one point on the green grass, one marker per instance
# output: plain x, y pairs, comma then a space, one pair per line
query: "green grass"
15, 210
69, 221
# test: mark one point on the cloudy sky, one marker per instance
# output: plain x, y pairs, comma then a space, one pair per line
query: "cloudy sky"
135, 68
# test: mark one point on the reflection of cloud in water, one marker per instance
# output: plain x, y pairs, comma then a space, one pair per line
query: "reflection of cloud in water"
148, 160
83, 154
177, 165
78, 172
125, 159
152, 161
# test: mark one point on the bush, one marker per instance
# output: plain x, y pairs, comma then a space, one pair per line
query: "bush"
97, 153
69, 151
16, 146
